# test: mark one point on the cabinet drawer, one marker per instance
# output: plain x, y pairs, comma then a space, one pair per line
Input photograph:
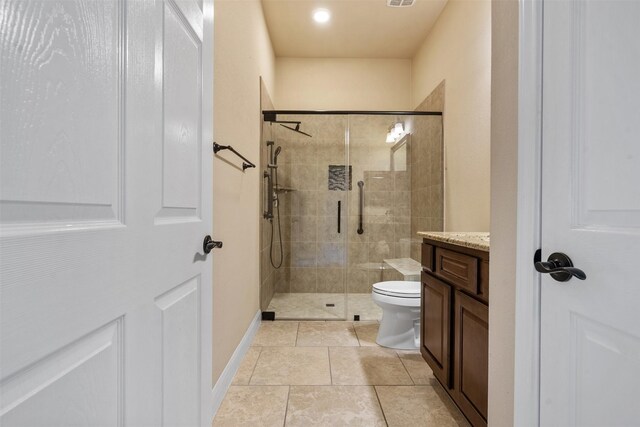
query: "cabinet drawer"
457, 268
427, 257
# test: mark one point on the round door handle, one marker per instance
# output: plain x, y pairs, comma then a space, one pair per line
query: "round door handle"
560, 267
209, 244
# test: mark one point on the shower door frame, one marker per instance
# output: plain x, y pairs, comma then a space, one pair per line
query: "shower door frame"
271, 116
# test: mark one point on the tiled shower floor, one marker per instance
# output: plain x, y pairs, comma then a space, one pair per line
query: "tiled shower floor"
314, 306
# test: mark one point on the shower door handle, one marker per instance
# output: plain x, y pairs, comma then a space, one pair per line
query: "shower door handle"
339, 214
361, 207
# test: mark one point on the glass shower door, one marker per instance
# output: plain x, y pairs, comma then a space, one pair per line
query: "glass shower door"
311, 181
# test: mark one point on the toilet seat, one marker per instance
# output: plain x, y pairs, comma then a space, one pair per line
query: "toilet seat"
398, 289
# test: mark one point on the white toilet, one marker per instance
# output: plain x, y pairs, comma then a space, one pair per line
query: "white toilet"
400, 324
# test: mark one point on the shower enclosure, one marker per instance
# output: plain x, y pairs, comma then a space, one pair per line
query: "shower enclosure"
342, 201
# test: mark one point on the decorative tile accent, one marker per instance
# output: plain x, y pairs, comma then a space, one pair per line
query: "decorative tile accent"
338, 179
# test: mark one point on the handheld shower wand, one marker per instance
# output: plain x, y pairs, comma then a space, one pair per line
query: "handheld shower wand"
274, 158
276, 154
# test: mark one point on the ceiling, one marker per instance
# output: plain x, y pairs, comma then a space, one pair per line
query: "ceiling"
358, 28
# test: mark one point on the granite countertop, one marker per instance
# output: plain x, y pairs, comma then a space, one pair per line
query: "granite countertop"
469, 239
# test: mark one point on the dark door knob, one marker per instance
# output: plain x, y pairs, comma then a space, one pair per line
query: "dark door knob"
209, 244
559, 266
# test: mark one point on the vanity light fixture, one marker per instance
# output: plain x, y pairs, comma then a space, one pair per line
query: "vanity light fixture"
390, 138
395, 133
321, 16
398, 129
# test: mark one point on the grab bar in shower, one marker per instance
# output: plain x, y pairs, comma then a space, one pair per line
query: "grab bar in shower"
361, 207
268, 196
246, 164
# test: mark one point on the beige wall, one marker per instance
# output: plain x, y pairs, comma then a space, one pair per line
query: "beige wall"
243, 53
343, 84
504, 152
458, 51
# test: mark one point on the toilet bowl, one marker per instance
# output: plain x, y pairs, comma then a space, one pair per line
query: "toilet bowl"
400, 324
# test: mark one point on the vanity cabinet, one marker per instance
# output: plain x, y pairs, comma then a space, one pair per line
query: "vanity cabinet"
454, 336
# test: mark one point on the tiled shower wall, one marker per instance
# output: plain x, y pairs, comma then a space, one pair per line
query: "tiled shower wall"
314, 250
427, 175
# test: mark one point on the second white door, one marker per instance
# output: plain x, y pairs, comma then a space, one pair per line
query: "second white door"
590, 334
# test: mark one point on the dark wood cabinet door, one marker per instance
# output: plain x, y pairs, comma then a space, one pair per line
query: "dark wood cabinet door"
471, 360
435, 333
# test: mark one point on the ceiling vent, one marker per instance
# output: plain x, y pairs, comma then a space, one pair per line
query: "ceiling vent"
400, 3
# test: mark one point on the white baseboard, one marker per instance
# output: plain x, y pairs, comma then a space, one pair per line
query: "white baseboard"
223, 383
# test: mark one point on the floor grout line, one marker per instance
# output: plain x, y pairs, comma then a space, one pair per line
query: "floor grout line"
406, 369
286, 409
355, 330
375, 390
330, 373
255, 364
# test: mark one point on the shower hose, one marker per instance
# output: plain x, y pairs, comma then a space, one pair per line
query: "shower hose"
273, 264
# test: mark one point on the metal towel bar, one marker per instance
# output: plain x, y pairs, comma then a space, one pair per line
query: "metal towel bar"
246, 164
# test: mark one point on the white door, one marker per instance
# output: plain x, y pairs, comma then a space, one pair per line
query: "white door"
590, 331
105, 178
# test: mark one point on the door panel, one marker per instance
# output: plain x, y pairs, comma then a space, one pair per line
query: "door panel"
67, 166
92, 365
105, 136
617, 355
591, 211
181, 77
180, 353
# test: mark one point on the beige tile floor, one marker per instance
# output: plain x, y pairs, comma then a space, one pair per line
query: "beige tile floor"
333, 373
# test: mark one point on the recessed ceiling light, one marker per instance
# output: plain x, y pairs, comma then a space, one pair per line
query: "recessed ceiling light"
321, 16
